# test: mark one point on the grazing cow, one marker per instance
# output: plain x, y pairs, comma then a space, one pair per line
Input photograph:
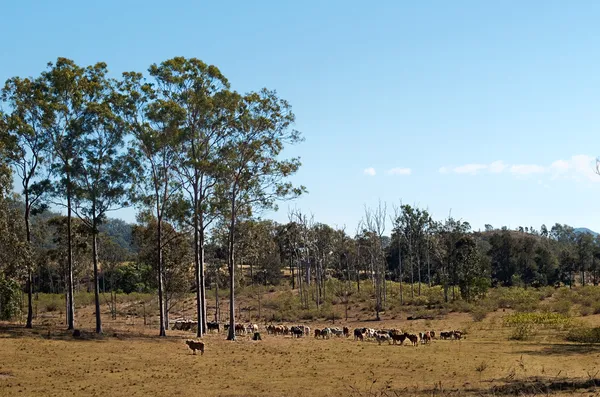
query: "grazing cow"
369, 332
326, 333
446, 335
270, 329
358, 334
212, 326
317, 333
346, 332
414, 339
195, 345
337, 332
457, 334
240, 329
297, 332
398, 338
382, 337
426, 338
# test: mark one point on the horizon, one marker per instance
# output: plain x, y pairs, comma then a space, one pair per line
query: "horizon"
485, 110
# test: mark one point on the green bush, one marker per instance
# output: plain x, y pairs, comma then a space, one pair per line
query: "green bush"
10, 298
552, 320
461, 306
584, 335
523, 331
562, 307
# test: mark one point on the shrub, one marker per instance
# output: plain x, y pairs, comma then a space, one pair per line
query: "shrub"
523, 331
562, 307
461, 306
584, 335
10, 298
479, 313
586, 310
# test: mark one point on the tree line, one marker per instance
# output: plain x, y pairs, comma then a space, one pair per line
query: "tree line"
178, 143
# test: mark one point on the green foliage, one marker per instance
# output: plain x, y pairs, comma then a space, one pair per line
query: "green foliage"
10, 298
523, 331
543, 319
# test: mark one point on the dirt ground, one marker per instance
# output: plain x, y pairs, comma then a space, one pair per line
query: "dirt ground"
129, 360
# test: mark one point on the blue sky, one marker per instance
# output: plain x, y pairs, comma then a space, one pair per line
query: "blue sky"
490, 109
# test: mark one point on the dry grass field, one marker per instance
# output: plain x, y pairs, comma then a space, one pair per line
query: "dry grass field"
129, 360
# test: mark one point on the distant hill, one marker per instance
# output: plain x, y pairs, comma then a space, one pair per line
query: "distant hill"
585, 230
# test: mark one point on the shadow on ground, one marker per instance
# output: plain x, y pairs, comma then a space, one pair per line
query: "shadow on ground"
564, 349
532, 386
53, 333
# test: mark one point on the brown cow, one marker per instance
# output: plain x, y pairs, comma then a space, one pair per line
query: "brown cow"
195, 345
317, 333
414, 339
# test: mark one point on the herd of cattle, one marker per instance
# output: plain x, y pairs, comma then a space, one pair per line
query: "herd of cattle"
391, 336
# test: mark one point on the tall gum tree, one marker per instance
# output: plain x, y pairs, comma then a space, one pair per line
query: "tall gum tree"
255, 177
25, 125
154, 121
196, 89
103, 180
69, 91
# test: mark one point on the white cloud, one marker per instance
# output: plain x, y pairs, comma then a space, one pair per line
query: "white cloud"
399, 171
527, 169
369, 171
560, 166
469, 168
580, 167
497, 167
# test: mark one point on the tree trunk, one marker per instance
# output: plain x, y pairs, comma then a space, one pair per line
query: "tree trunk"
217, 295
29, 323
428, 265
159, 264
231, 263
401, 275
419, 270
198, 278
96, 284
292, 271
70, 291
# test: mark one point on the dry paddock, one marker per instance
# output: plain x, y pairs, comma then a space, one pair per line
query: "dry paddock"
134, 363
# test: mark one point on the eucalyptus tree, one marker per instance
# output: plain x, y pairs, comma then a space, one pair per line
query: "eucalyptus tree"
255, 177
155, 122
70, 89
25, 125
102, 182
196, 91
374, 223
